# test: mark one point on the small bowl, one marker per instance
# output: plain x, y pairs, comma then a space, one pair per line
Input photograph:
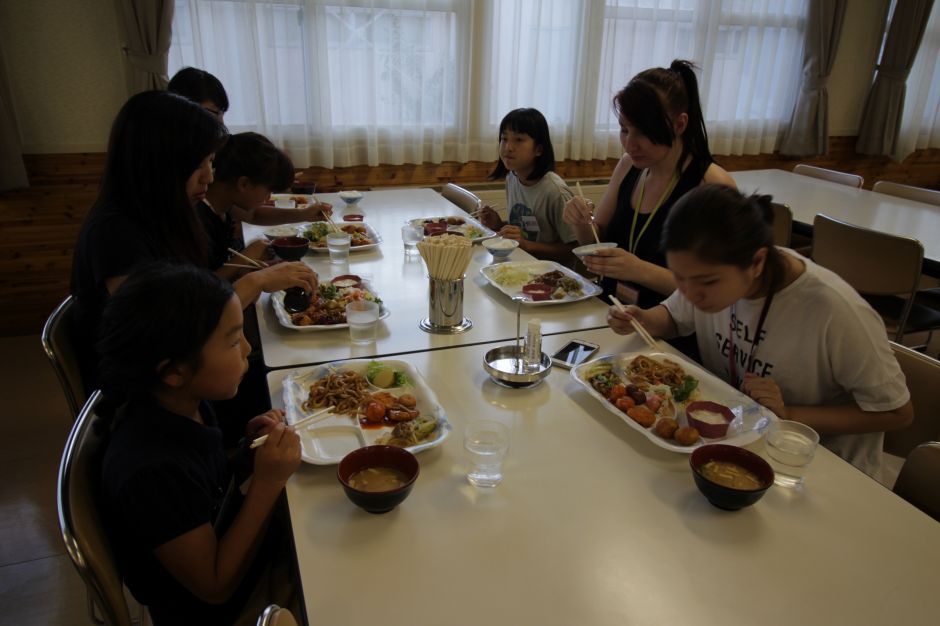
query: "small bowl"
591, 248
500, 248
729, 498
709, 429
350, 197
378, 456
290, 248
284, 230
503, 366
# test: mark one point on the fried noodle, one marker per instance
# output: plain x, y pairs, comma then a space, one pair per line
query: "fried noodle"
346, 391
644, 371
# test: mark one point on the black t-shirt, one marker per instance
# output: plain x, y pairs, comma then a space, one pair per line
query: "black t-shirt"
648, 246
220, 232
164, 475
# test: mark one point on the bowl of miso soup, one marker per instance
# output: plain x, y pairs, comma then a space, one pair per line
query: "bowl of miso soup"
730, 477
378, 478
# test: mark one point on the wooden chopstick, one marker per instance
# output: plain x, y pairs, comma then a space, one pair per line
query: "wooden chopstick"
593, 228
637, 326
249, 259
240, 266
313, 417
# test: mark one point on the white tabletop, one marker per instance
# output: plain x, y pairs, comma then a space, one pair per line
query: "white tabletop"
402, 284
595, 525
808, 196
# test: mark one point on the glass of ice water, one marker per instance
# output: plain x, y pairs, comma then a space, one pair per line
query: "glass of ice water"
791, 447
410, 236
486, 443
362, 316
338, 245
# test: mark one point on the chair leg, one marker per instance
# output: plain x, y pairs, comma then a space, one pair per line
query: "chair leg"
93, 610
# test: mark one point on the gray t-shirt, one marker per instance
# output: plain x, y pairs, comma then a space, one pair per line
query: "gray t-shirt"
538, 209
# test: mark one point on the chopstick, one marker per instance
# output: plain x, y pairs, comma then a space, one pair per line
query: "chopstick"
313, 417
240, 266
593, 228
637, 326
257, 264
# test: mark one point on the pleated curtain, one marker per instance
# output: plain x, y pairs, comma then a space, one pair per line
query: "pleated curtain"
146, 29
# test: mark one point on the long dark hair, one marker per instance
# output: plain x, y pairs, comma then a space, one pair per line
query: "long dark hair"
653, 99
254, 156
163, 312
199, 86
719, 225
158, 140
530, 122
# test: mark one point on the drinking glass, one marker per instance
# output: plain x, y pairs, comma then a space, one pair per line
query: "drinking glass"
486, 443
791, 447
338, 245
362, 316
410, 236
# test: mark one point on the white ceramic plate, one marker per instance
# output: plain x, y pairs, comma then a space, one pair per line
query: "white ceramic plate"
321, 247
277, 301
468, 222
750, 419
327, 442
533, 269
284, 230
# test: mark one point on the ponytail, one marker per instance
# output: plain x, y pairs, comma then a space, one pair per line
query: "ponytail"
695, 138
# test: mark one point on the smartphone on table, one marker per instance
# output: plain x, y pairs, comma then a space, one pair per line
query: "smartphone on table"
574, 353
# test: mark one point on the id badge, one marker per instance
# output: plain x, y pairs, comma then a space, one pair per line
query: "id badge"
530, 224
627, 293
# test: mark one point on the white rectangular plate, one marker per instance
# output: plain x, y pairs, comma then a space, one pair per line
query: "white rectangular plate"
750, 418
536, 268
370, 233
457, 228
277, 301
327, 442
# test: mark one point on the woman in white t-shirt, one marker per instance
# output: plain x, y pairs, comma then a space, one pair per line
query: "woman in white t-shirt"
787, 332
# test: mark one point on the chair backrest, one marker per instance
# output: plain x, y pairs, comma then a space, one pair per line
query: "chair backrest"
466, 200
843, 178
923, 381
929, 196
60, 349
83, 532
918, 482
783, 224
276, 616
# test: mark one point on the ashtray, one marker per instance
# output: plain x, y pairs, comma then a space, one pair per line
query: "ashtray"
506, 367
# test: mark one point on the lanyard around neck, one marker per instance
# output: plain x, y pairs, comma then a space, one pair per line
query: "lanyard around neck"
639, 205
732, 361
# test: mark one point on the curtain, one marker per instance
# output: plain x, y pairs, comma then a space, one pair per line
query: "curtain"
920, 121
808, 131
12, 170
349, 82
881, 119
146, 28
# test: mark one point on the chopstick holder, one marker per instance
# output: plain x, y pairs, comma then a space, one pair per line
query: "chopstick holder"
637, 326
310, 419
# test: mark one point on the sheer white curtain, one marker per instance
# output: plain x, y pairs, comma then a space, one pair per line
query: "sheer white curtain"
920, 121
350, 82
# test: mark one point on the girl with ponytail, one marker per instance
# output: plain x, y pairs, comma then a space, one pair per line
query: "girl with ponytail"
663, 135
787, 332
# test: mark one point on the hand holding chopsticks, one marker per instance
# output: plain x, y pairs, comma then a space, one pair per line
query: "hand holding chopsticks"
257, 264
637, 326
593, 227
316, 416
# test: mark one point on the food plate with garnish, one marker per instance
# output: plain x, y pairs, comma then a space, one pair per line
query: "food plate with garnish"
381, 401
327, 310
657, 394
454, 224
364, 237
539, 282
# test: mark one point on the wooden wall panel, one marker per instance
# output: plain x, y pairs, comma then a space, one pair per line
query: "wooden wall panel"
39, 225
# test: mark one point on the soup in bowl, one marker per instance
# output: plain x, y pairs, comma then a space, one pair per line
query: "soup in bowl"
731, 478
378, 478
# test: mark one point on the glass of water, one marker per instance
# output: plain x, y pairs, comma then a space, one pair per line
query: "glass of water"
410, 236
362, 316
338, 245
791, 447
486, 443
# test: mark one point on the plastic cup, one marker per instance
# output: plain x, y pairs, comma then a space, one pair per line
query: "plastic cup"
486, 443
790, 447
338, 245
410, 236
362, 316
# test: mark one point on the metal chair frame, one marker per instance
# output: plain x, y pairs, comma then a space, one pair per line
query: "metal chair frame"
466, 200
59, 348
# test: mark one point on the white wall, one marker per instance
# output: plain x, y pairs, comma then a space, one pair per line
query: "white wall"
65, 68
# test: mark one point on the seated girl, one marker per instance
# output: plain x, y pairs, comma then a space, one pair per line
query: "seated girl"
790, 334
186, 540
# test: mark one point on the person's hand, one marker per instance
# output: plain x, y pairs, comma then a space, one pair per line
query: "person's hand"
766, 392
578, 210
258, 250
614, 263
512, 232
263, 423
619, 320
316, 212
284, 275
278, 457
489, 217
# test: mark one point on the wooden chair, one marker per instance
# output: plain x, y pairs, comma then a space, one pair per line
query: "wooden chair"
783, 224
927, 196
918, 481
276, 616
466, 200
884, 268
78, 495
60, 349
843, 178
923, 381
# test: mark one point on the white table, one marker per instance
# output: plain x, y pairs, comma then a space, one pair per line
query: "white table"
402, 284
596, 525
808, 196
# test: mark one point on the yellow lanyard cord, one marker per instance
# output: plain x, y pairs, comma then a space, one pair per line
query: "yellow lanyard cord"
639, 205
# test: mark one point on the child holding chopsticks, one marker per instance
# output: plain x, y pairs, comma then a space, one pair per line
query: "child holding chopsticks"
787, 332
188, 544
535, 194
